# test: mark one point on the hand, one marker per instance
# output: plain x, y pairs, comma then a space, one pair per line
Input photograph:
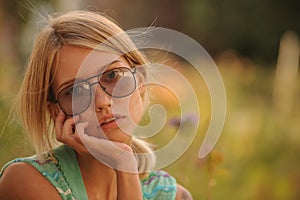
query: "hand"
118, 156
66, 134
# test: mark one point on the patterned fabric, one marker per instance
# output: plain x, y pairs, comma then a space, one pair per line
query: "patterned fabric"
62, 170
52, 170
159, 185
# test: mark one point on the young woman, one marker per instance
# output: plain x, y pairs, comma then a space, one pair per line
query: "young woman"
81, 98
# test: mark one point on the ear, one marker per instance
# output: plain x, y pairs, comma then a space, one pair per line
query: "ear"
52, 109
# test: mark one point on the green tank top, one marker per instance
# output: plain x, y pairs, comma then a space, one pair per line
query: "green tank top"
62, 171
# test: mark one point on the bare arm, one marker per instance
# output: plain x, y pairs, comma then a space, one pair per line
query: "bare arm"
22, 181
122, 160
128, 182
128, 186
183, 193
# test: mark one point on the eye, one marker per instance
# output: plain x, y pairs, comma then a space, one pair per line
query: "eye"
77, 90
110, 76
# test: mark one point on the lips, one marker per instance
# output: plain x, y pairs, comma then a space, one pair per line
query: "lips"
107, 119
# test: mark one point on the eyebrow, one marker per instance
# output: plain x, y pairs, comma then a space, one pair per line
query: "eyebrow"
68, 82
102, 68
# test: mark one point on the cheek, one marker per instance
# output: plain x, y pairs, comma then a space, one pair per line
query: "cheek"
90, 117
136, 107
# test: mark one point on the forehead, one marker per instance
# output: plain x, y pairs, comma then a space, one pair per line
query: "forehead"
76, 62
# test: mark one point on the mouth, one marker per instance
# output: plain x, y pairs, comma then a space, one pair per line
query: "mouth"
110, 120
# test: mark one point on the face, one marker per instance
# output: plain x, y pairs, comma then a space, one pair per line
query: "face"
109, 113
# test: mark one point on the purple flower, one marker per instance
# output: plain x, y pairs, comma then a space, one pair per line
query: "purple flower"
186, 118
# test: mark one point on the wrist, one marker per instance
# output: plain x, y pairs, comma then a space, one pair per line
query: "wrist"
128, 164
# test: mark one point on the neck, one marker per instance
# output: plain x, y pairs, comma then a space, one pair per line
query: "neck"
100, 180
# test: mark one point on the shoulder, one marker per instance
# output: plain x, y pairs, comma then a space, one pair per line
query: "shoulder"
159, 184
183, 193
159, 177
20, 180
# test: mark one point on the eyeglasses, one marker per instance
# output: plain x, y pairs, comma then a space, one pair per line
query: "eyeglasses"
118, 82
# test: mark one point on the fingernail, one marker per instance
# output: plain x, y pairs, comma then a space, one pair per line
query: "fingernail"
76, 118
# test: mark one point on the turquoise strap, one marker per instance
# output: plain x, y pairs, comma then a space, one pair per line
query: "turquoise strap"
70, 168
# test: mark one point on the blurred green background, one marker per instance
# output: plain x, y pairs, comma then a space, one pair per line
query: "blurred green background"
256, 47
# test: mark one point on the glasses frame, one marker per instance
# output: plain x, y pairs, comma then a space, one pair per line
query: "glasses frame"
132, 70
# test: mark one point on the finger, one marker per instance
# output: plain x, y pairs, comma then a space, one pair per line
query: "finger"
103, 146
80, 128
114, 154
70, 136
68, 127
59, 123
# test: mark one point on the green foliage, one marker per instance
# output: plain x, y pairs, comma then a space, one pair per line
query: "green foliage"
13, 142
253, 28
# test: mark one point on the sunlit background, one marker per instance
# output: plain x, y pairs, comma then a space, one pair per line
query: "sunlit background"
255, 45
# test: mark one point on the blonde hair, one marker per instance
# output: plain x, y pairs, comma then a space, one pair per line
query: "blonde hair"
80, 28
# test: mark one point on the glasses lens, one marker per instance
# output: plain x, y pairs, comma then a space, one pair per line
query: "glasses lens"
75, 98
119, 82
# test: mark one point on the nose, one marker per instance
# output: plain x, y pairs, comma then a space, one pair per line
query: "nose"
103, 101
